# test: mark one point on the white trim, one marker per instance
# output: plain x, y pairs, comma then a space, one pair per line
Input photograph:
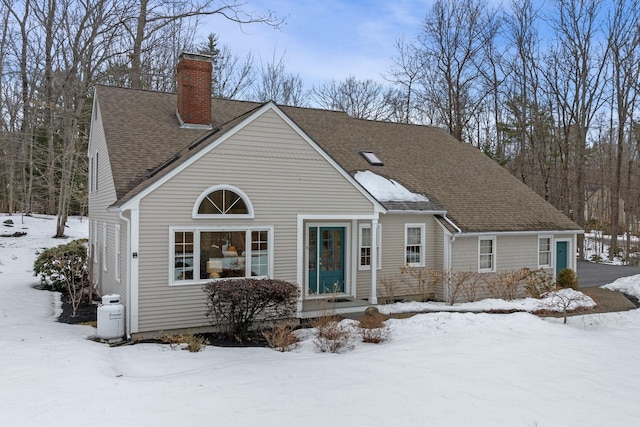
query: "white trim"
105, 236
220, 187
519, 233
423, 244
349, 287
494, 252
135, 268
270, 106
117, 256
415, 212
375, 246
248, 229
571, 258
551, 243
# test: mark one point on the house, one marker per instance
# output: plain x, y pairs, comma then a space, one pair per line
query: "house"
185, 189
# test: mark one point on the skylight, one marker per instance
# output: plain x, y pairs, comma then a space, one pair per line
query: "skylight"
372, 158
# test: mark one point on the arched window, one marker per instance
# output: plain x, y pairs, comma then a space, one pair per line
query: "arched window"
223, 201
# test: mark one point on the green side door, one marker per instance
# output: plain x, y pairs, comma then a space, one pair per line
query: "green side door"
561, 257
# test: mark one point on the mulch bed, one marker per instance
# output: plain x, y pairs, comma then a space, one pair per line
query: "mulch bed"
255, 339
86, 313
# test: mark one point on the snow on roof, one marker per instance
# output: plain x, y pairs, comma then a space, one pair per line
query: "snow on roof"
386, 190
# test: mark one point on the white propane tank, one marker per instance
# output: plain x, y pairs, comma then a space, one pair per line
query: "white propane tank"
111, 318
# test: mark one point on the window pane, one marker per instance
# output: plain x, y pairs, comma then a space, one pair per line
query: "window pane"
183, 255
486, 246
222, 254
544, 256
365, 246
414, 236
259, 253
366, 236
486, 254
223, 202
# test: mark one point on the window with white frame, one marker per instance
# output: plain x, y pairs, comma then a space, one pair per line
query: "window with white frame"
486, 254
223, 201
203, 254
104, 246
414, 244
365, 247
544, 252
116, 247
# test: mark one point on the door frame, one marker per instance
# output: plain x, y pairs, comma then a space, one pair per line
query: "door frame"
347, 257
570, 258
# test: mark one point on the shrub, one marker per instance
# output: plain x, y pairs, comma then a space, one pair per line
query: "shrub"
236, 304
421, 281
332, 335
461, 282
373, 329
538, 283
189, 341
281, 338
567, 279
64, 269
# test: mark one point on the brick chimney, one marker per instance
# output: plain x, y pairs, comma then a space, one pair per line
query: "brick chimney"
194, 90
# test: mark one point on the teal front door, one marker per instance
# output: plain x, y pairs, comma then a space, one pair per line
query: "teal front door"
326, 260
561, 257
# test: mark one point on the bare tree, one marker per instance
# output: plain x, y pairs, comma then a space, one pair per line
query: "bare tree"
275, 84
362, 99
624, 51
406, 76
231, 77
147, 17
577, 66
452, 39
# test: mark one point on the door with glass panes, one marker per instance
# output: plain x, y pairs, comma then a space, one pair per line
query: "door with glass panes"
326, 258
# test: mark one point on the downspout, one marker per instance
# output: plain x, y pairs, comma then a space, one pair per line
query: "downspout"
128, 252
452, 238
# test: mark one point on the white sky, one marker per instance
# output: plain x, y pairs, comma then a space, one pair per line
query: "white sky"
437, 369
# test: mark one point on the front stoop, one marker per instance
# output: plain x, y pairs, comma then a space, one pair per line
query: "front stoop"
345, 306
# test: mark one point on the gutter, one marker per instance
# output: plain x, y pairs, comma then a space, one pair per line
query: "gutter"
452, 225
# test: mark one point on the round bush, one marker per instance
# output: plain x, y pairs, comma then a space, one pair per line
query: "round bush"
567, 279
63, 266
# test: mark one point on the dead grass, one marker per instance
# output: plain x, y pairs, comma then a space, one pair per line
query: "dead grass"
281, 338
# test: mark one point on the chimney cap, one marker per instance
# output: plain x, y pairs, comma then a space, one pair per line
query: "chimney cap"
196, 56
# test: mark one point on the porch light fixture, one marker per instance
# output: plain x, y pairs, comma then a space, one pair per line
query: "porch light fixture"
371, 158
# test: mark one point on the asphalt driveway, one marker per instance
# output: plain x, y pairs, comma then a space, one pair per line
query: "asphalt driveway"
592, 274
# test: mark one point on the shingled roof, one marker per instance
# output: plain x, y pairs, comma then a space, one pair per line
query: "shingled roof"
145, 142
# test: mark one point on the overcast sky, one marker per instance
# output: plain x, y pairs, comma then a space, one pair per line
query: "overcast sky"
326, 39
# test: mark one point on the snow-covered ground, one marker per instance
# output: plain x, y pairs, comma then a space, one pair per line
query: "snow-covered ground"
437, 369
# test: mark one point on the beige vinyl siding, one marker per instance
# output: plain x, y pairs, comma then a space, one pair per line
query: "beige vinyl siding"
281, 174
390, 283
99, 201
513, 252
